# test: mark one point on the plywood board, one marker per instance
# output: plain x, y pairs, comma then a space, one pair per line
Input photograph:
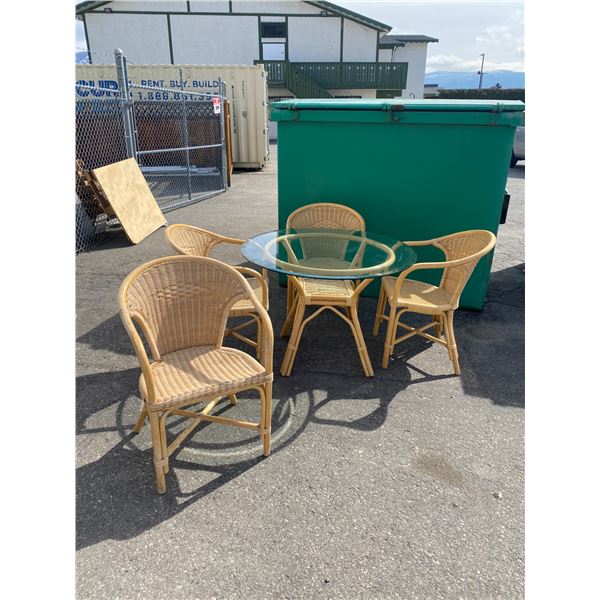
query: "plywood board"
125, 189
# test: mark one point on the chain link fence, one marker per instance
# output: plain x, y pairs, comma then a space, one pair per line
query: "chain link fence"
99, 141
177, 138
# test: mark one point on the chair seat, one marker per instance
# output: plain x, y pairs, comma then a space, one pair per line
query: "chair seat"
202, 372
245, 305
338, 288
422, 297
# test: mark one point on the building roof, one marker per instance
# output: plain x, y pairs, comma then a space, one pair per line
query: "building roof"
353, 16
83, 7
390, 41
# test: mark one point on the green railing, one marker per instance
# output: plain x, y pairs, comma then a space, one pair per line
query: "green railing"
285, 74
302, 86
342, 75
275, 71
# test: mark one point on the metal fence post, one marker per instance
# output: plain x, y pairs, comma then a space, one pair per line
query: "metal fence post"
129, 128
186, 136
224, 165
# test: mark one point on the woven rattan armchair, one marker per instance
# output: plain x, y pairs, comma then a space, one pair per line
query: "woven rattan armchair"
180, 304
462, 251
193, 241
328, 294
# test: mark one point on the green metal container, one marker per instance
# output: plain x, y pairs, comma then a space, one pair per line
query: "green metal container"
414, 169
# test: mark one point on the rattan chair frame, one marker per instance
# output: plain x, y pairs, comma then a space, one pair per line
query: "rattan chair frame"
195, 241
472, 245
324, 215
158, 283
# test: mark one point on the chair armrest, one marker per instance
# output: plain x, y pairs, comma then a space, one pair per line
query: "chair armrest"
229, 240
266, 329
128, 319
266, 339
428, 265
417, 243
247, 271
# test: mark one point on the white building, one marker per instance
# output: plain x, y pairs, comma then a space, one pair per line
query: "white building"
310, 49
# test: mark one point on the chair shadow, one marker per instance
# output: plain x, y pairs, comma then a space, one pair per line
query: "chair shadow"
492, 342
116, 493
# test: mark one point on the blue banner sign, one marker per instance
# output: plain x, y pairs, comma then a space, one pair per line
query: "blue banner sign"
108, 88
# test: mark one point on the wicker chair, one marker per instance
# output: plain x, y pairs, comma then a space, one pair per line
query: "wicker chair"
181, 304
193, 241
328, 294
462, 251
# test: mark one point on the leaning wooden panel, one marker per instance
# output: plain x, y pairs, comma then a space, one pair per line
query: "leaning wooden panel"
126, 190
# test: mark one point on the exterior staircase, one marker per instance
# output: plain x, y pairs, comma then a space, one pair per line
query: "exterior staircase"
301, 85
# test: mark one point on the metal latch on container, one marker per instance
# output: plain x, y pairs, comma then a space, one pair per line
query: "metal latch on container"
395, 108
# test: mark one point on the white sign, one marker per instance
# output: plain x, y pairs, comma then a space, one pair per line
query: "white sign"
217, 105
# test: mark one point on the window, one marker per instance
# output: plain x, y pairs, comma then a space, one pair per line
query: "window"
388, 94
273, 30
271, 51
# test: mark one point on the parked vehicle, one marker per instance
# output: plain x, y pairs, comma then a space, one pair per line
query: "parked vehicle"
518, 152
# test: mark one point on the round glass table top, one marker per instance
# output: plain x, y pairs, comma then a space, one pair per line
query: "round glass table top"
329, 253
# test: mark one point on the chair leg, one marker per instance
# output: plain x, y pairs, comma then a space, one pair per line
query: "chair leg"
380, 310
289, 320
291, 296
266, 397
438, 326
360, 342
452, 341
140, 420
445, 324
389, 338
258, 337
157, 453
163, 441
232, 399
292, 347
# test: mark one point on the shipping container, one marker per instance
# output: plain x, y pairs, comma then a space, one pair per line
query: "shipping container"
246, 89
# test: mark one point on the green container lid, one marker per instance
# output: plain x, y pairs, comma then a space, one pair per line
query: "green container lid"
400, 104
480, 112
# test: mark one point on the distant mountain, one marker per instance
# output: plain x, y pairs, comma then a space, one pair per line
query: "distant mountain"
458, 80
81, 57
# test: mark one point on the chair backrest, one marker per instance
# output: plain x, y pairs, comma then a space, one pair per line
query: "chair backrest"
190, 240
467, 247
180, 302
325, 215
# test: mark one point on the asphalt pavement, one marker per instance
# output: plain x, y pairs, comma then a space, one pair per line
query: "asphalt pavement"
406, 485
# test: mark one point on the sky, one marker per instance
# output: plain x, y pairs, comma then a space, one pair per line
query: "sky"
465, 30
